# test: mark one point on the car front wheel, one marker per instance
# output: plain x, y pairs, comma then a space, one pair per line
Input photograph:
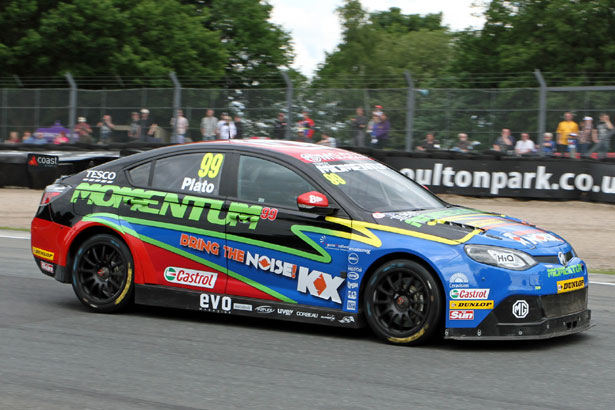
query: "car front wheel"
403, 302
103, 274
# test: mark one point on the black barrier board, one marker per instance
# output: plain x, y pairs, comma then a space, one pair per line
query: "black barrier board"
42, 160
512, 177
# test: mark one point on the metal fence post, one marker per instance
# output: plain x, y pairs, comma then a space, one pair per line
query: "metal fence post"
177, 101
409, 111
542, 109
289, 104
4, 114
72, 104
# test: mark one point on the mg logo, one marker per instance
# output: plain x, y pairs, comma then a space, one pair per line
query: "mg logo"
520, 309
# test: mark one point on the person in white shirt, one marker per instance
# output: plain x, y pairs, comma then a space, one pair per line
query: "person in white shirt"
525, 145
208, 126
226, 128
180, 123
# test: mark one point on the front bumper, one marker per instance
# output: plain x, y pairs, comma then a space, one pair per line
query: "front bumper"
546, 316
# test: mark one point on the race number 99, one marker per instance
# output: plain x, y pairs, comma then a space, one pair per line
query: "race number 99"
210, 165
335, 179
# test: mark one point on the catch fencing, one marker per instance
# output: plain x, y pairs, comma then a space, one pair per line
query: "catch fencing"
412, 112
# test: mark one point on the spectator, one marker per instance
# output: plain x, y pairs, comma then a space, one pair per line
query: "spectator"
13, 138
463, 145
147, 127
525, 145
326, 140
135, 127
37, 139
180, 127
359, 124
548, 145
279, 127
564, 129
429, 143
238, 127
209, 123
370, 126
61, 138
106, 129
381, 131
587, 136
84, 131
377, 110
605, 131
226, 128
305, 128
505, 142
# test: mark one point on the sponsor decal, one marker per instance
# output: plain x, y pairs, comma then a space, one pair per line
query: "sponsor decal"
520, 309
346, 319
42, 253
353, 276
190, 277
569, 285
41, 160
307, 314
353, 258
193, 208
215, 303
461, 315
353, 285
272, 265
242, 306
458, 280
328, 317
352, 294
569, 270
351, 305
355, 269
471, 304
199, 244
319, 284
378, 215
264, 309
465, 294
102, 177
347, 167
330, 156
47, 267
532, 238
285, 312
315, 199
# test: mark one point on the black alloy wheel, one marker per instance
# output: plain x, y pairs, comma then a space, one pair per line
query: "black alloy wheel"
103, 274
403, 302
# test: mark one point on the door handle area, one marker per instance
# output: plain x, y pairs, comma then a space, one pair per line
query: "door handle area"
244, 218
137, 201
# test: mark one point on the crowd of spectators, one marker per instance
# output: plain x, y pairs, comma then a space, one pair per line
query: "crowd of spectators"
570, 137
583, 138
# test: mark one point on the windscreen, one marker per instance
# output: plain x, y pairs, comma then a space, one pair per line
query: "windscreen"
376, 187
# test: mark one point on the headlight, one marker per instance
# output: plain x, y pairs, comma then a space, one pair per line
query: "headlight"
500, 257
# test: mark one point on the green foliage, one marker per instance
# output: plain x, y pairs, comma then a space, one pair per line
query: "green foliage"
559, 36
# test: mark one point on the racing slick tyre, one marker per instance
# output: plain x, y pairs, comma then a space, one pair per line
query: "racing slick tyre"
103, 274
403, 302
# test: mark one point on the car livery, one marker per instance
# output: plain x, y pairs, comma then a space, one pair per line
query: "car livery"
307, 233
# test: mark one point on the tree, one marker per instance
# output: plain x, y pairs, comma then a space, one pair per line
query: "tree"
560, 36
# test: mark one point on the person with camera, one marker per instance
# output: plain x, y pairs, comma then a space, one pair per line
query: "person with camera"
106, 129
226, 128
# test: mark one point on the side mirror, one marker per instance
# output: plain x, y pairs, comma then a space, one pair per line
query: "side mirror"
315, 202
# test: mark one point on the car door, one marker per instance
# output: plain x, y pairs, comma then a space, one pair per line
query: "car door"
177, 209
280, 252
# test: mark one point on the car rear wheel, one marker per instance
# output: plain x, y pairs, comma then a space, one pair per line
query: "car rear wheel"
103, 274
403, 302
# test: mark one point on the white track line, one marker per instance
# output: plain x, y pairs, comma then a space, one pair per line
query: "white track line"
15, 237
602, 283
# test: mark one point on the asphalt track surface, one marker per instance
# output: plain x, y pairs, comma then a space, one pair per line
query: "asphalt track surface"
55, 354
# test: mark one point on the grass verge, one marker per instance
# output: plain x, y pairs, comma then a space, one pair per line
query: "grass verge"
10, 228
603, 271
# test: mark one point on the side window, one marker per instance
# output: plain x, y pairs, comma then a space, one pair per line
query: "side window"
140, 175
268, 182
195, 174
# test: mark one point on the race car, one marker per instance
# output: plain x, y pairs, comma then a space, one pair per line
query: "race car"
307, 233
